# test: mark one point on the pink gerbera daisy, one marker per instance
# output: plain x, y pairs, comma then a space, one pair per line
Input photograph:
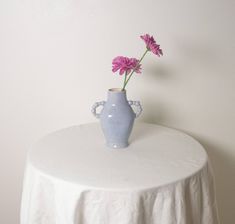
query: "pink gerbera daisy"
126, 65
151, 44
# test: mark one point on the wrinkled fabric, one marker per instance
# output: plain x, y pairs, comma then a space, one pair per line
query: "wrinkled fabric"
52, 201
163, 177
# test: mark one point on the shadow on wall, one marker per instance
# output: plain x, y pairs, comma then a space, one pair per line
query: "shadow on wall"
162, 75
194, 64
198, 54
188, 56
159, 72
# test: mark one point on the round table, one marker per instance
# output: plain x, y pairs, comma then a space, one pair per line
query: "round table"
162, 177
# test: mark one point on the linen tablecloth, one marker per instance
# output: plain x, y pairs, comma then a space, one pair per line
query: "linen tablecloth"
163, 177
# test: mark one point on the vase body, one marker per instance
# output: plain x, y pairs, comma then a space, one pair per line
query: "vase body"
117, 118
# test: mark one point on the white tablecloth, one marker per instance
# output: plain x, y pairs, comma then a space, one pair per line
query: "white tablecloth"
163, 177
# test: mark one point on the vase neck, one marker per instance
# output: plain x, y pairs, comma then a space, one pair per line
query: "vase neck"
117, 95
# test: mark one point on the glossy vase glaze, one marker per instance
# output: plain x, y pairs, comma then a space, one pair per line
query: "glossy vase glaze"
117, 117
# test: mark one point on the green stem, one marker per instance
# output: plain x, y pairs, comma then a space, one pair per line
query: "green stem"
126, 81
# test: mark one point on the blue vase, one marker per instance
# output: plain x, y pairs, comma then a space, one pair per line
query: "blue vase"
117, 117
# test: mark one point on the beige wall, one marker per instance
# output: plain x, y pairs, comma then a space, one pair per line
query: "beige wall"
55, 60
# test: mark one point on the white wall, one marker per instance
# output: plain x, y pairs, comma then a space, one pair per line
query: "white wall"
55, 61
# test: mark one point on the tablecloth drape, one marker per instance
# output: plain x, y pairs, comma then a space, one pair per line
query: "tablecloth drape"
128, 192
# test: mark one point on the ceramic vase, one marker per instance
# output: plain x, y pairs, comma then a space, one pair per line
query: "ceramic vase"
117, 117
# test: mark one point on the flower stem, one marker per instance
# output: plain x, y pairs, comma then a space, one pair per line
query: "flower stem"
126, 81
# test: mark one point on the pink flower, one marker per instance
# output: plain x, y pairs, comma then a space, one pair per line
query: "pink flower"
151, 44
125, 64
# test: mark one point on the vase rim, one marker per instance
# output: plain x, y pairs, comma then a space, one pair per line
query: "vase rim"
117, 90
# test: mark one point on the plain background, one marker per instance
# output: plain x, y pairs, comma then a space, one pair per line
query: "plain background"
55, 62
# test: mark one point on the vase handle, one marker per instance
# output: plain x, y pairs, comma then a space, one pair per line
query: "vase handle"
138, 107
94, 107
